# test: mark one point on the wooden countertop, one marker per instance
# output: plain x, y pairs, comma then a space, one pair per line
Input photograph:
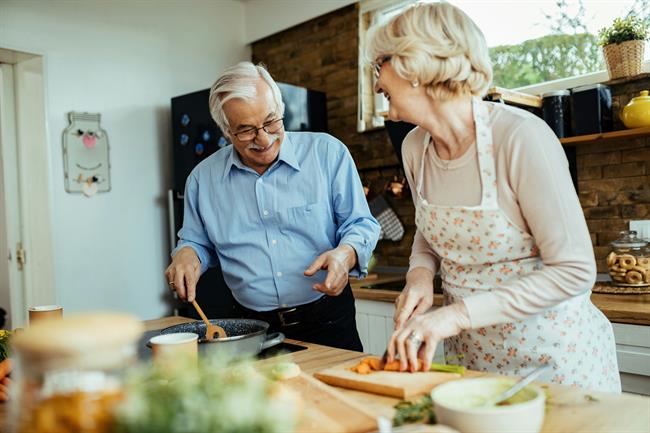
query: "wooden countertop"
568, 410
630, 309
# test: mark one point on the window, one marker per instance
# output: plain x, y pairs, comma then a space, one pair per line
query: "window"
535, 46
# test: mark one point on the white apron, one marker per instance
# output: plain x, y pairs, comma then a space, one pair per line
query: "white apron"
479, 249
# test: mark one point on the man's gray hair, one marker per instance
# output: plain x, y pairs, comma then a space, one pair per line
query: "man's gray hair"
238, 82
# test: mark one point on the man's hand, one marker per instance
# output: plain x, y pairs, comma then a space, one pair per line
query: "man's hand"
338, 263
183, 273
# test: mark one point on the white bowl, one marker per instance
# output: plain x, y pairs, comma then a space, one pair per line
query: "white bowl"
458, 405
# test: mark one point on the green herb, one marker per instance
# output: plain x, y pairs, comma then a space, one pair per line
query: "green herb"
630, 28
213, 397
590, 398
412, 412
5, 336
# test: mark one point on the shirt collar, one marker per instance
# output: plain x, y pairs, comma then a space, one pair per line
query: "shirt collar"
287, 155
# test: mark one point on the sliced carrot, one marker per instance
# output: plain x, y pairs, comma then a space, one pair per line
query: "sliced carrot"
392, 366
5, 367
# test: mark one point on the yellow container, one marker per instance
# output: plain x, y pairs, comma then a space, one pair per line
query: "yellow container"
637, 112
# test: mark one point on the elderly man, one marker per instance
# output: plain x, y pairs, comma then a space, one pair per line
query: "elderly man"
283, 212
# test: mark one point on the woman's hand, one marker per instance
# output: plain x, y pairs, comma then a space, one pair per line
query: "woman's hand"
416, 298
420, 335
183, 273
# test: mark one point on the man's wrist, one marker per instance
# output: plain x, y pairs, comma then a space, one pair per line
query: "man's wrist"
351, 255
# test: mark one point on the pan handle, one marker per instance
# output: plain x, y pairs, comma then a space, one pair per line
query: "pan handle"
273, 340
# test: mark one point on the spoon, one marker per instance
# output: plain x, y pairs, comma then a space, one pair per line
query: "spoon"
210, 329
517, 386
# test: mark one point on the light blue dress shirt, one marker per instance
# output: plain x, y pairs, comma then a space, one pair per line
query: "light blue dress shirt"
266, 230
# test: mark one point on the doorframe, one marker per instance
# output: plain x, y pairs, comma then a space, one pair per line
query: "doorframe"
32, 169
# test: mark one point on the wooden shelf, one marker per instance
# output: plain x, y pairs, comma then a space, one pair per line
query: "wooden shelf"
615, 135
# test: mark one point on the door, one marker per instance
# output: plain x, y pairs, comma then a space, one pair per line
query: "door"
11, 253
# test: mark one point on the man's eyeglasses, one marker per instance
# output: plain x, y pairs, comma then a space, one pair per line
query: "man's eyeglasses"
269, 127
376, 65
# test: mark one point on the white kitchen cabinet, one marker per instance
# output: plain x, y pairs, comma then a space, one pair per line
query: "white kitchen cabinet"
375, 325
633, 353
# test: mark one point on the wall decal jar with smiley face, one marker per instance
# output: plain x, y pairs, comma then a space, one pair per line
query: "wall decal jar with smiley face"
86, 155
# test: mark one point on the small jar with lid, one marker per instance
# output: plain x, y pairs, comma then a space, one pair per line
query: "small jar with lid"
68, 372
629, 260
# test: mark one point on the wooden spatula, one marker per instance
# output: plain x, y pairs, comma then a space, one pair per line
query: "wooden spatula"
210, 329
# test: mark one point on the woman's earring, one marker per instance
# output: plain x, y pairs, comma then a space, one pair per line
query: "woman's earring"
415, 83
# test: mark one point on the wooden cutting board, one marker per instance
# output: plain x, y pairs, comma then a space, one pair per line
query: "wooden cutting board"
325, 406
392, 383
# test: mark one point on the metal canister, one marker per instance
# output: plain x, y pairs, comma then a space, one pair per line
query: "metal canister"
555, 111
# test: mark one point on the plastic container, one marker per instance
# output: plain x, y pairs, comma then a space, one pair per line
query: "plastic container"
629, 260
591, 109
68, 373
555, 111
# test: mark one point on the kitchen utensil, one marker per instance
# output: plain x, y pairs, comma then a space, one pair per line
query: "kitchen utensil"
461, 405
518, 386
245, 337
395, 384
211, 329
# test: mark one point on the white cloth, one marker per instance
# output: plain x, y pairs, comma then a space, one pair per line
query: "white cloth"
479, 249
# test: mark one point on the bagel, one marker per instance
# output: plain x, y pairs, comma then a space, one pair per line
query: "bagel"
647, 276
626, 261
644, 262
639, 269
611, 259
634, 277
616, 268
619, 278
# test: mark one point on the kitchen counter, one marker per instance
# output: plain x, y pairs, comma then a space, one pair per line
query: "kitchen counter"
569, 409
630, 309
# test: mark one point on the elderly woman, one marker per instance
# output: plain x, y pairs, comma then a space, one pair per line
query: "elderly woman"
496, 214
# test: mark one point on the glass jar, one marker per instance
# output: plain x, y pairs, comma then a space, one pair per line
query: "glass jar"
629, 260
68, 372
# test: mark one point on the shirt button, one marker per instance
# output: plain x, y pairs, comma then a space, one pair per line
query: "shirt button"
279, 274
274, 242
265, 212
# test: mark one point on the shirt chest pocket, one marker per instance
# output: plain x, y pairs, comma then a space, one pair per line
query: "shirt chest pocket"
312, 216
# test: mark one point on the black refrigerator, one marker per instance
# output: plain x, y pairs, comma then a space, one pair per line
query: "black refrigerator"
195, 137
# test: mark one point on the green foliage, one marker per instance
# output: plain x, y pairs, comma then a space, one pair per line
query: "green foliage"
4, 344
411, 412
215, 397
630, 28
547, 58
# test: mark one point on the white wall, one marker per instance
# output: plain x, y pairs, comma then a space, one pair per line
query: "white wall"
266, 17
125, 60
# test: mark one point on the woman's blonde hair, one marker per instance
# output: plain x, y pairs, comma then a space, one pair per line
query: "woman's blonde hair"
436, 45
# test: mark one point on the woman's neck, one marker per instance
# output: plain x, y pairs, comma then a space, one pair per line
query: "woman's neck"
450, 124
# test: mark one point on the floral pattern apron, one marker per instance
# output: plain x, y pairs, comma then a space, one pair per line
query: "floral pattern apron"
479, 249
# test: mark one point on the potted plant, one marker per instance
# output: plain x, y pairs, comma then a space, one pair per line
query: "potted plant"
623, 45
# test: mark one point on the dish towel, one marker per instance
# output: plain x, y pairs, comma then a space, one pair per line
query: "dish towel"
391, 227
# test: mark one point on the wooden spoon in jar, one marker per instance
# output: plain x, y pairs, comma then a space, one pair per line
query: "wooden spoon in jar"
210, 329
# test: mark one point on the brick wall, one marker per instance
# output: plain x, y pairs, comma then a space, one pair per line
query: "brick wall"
321, 54
614, 177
